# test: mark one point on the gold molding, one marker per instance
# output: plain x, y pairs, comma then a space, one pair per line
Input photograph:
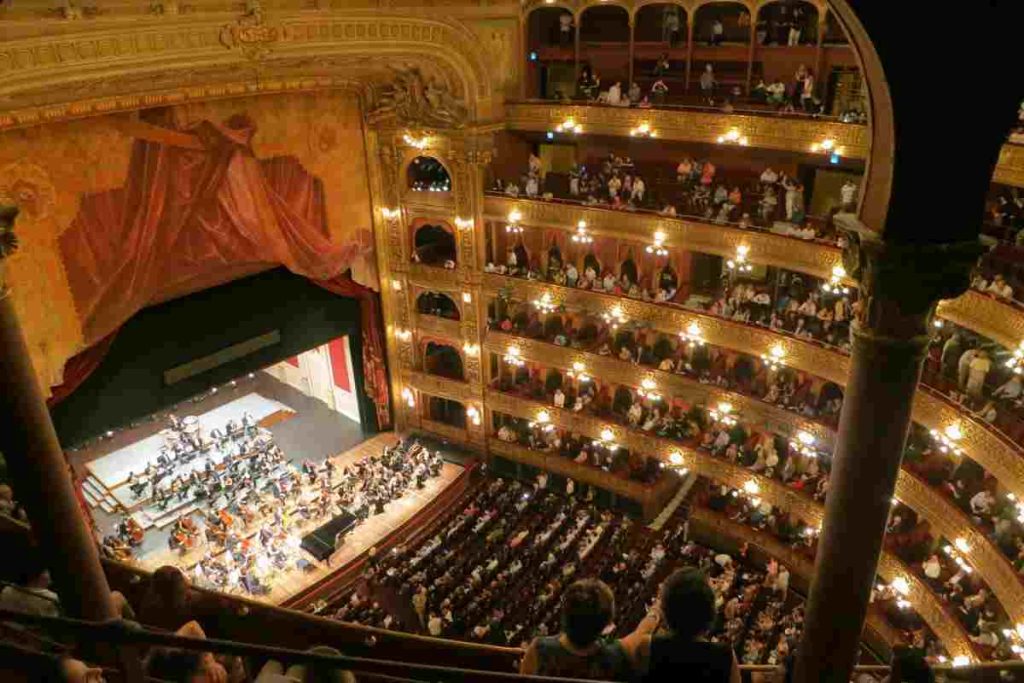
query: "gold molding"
439, 327
1010, 167
724, 472
1000, 458
434, 277
789, 134
441, 387
987, 315
454, 434
776, 250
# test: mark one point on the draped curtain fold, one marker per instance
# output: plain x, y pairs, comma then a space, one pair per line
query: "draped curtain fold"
198, 203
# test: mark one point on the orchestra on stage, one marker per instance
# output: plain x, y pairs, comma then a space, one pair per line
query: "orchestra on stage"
244, 503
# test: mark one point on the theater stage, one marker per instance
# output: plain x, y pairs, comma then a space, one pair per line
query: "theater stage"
376, 527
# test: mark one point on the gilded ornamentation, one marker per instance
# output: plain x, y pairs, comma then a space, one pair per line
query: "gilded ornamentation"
453, 434
439, 327
250, 34
411, 100
986, 315
1010, 167
439, 386
27, 186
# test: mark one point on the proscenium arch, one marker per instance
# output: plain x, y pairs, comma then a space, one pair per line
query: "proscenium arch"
323, 51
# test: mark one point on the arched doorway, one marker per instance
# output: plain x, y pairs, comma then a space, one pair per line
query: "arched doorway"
443, 361
438, 304
434, 245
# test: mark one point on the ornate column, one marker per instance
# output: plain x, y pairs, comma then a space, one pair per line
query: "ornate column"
900, 285
40, 474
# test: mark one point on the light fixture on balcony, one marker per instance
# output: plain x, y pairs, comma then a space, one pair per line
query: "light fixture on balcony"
722, 413
390, 214
615, 317
582, 236
464, 223
835, 282
408, 397
403, 335
775, 358
514, 357
543, 422
578, 372
647, 389
1018, 505
658, 248
804, 444
739, 262
513, 222
421, 142
544, 304
692, 335
474, 415
396, 285
948, 438
471, 349
467, 298
606, 439
569, 126
751, 488
1016, 361
901, 586
676, 458
956, 553
828, 147
733, 137
961, 660
644, 130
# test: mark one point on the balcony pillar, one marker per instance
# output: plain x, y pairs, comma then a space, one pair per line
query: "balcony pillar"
40, 473
900, 285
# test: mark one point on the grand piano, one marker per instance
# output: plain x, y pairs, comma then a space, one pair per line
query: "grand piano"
320, 542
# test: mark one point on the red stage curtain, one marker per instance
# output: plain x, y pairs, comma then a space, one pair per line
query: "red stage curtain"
375, 376
78, 369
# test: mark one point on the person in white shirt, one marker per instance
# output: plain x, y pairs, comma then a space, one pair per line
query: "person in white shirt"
769, 177
559, 398
717, 32
848, 195
1000, 288
1010, 390
32, 597
542, 481
570, 487
638, 190
565, 27
982, 502
615, 94
932, 568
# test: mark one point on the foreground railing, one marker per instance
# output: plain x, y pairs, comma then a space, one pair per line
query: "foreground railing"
122, 640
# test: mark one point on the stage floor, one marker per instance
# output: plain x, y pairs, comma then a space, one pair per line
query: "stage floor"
289, 582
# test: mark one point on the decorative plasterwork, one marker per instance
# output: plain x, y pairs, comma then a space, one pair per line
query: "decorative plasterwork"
439, 327
999, 457
609, 369
1010, 167
769, 132
777, 494
434, 277
442, 387
453, 434
776, 250
96, 70
998, 320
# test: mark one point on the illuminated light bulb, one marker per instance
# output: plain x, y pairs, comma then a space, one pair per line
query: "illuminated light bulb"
403, 335
962, 545
407, 395
775, 357
514, 216
615, 317
473, 414
470, 348
514, 357
463, 223
751, 487
543, 417
390, 214
545, 304
582, 236
692, 334
658, 248
961, 660
607, 434
676, 458
396, 285
901, 586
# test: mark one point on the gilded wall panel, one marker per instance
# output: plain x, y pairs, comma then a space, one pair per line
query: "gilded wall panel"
439, 386
439, 327
1000, 321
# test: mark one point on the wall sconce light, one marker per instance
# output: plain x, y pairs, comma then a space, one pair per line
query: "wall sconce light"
390, 214
408, 397
543, 422
569, 126
474, 415
751, 488
578, 372
804, 444
647, 389
775, 358
615, 317
956, 551
644, 130
835, 282
658, 248
606, 439
733, 137
467, 298
403, 335
739, 262
416, 142
514, 357
513, 222
582, 236
396, 285
692, 335
1016, 362
827, 146
544, 304
470, 348
947, 439
901, 586
464, 223
723, 413
676, 458
961, 660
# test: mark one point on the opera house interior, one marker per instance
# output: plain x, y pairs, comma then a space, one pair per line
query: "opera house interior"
509, 340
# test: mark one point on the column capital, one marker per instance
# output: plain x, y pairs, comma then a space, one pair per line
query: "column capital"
8, 240
900, 283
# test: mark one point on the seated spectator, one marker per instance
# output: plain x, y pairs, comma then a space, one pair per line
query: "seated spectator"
687, 606
578, 652
33, 594
166, 603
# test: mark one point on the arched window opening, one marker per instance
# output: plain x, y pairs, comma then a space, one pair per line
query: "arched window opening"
427, 174
435, 246
604, 47
786, 22
446, 411
443, 361
438, 304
